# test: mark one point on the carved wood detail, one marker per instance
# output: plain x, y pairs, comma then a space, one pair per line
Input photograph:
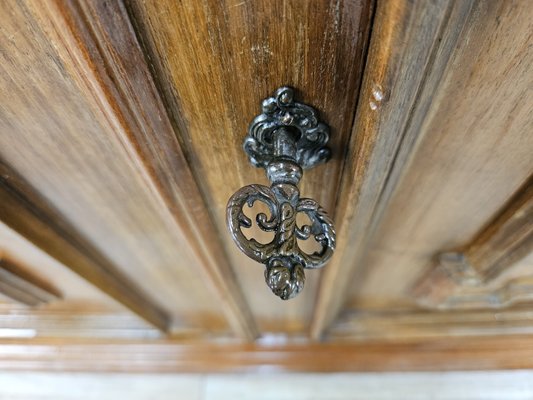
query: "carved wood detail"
514, 291
504, 241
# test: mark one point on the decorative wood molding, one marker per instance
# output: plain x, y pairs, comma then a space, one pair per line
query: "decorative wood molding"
23, 287
399, 325
70, 321
468, 353
26, 212
234, 55
108, 52
515, 291
410, 48
504, 241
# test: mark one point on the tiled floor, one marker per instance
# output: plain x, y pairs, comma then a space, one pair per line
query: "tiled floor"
497, 385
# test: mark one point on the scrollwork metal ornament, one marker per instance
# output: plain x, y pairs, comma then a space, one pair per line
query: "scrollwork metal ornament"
285, 139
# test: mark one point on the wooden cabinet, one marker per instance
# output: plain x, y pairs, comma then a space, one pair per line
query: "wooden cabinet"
121, 129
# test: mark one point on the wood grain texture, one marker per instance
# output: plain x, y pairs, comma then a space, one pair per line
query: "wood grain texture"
506, 239
20, 285
410, 48
28, 214
70, 320
474, 155
116, 57
215, 61
87, 132
487, 353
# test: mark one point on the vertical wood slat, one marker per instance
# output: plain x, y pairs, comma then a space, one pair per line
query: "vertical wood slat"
100, 39
410, 47
504, 241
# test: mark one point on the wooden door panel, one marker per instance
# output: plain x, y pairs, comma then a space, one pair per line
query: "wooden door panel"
61, 133
121, 130
475, 154
215, 62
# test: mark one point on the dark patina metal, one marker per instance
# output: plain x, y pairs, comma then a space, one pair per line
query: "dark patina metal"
285, 139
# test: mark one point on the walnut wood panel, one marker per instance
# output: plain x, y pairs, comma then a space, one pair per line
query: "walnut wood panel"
475, 153
505, 240
498, 352
216, 60
410, 47
19, 284
87, 131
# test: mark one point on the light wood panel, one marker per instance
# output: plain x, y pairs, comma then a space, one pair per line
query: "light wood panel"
474, 353
410, 324
475, 153
69, 320
23, 210
81, 311
514, 291
216, 60
410, 48
36, 262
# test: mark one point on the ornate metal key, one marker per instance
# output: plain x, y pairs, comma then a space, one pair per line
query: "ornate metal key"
286, 138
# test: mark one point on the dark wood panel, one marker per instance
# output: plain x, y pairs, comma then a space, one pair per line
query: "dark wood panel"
216, 60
